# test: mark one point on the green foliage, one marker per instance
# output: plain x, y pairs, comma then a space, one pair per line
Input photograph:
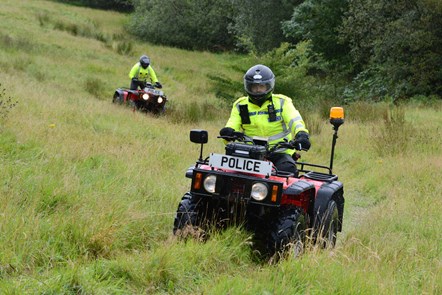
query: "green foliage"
396, 44
319, 21
201, 24
257, 24
118, 5
212, 25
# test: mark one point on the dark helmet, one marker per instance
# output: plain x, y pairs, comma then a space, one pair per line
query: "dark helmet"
259, 82
144, 61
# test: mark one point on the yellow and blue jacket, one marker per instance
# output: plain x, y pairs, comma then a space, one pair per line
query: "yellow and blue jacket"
141, 74
285, 121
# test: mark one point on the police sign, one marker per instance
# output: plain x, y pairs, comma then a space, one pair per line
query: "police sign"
240, 164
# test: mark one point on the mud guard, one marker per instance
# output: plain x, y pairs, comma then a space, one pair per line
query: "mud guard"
121, 94
327, 192
299, 187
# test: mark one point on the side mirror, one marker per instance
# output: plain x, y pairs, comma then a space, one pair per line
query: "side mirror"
199, 136
336, 116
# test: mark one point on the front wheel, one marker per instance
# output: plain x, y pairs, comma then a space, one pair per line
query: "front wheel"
188, 217
288, 232
117, 98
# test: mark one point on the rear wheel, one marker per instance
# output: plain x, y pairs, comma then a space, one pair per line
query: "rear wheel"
288, 233
328, 225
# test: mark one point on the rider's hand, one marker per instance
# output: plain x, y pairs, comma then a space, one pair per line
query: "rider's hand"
302, 141
158, 85
227, 131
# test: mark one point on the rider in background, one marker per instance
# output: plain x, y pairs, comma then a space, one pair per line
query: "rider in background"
262, 113
142, 71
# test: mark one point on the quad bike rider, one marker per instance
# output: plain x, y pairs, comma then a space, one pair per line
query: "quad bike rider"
141, 72
147, 98
263, 113
257, 186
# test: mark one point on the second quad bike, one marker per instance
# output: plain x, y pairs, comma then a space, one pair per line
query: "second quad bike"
241, 187
147, 99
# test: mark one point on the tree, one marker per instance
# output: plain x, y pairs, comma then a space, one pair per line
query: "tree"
257, 24
192, 24
319, 21
118, 5
398, 46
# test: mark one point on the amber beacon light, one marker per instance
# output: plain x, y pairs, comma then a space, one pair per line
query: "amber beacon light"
336, 119
336, 116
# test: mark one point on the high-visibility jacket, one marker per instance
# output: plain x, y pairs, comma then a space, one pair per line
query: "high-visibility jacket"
141, 74
286, 124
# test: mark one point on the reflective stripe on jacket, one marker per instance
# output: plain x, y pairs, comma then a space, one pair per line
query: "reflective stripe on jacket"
143, 74
288, 119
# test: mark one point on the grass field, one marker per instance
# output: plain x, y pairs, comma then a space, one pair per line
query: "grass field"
88, 189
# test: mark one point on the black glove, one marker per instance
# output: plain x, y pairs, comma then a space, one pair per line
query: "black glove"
158, 85
302, 141
135, 79
227, 131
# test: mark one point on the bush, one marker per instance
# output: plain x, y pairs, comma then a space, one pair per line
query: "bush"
6, 104
393, 136
124, 47
195, 25
194, 112
95, 87
363, 111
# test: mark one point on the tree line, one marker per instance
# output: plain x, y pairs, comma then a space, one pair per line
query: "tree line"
117, 5
362, 49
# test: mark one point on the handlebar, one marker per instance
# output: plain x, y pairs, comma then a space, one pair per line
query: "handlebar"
146, 84
239, 136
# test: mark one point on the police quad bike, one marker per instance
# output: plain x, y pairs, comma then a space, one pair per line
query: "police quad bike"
241, 187
147, 99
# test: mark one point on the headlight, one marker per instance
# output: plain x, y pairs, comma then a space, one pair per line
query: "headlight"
145, 96
210, 183
259, 191
160, 99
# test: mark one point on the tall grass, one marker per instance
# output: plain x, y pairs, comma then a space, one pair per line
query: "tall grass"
89, 190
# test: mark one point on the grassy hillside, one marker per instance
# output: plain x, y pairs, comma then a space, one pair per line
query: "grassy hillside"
88, 189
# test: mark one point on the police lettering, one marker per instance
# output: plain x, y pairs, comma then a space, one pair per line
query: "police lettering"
241, 164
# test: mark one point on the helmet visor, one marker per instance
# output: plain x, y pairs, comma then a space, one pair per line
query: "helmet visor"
258, 89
